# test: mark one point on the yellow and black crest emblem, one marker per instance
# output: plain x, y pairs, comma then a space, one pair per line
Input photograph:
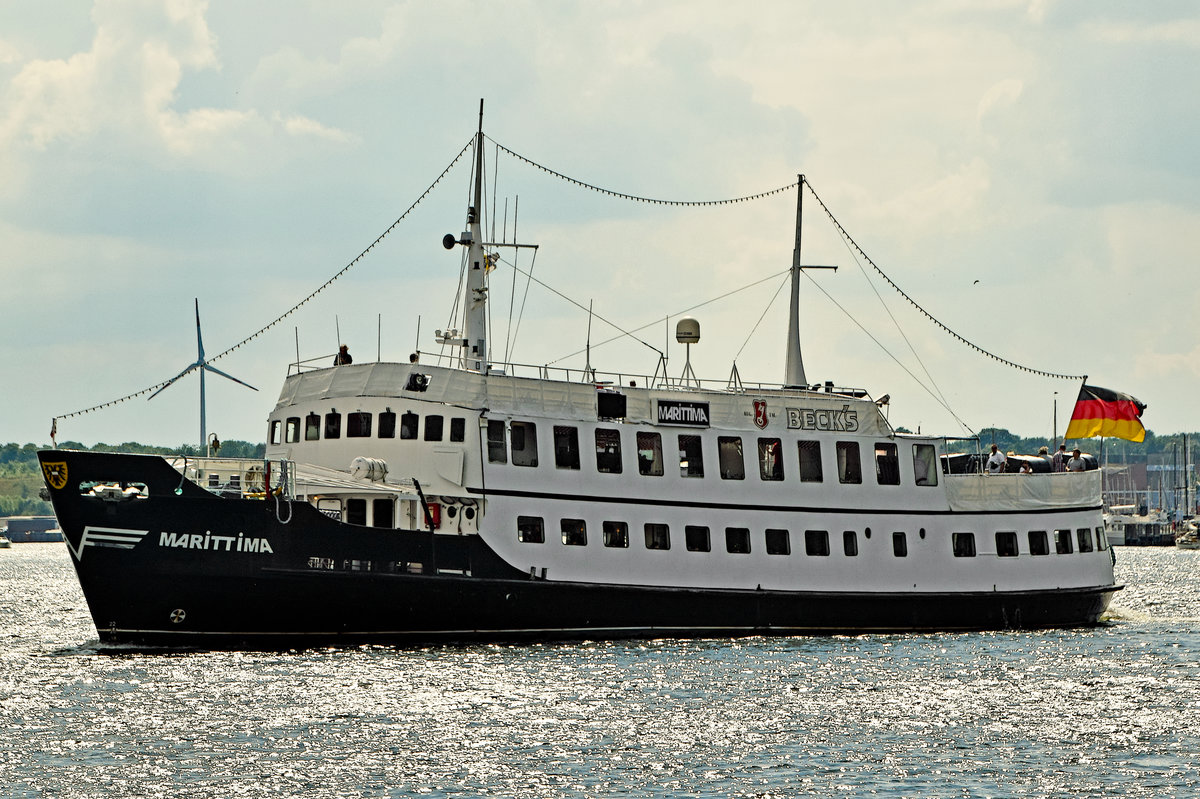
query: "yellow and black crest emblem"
56, 475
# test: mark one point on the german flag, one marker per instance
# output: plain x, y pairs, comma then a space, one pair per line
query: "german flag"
1103, 412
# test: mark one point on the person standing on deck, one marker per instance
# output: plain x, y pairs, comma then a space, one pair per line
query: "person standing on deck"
996, 461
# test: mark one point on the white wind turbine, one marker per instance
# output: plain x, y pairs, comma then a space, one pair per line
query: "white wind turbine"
203, 366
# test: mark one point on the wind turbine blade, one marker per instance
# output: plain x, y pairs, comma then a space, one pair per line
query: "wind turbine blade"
199, 340
172, 380
212, 368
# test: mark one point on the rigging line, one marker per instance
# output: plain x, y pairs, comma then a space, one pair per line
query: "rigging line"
887, 352
302, 302
895, 322
525, 295
581, 307
652, 200
774, 297
925, 313
678, 313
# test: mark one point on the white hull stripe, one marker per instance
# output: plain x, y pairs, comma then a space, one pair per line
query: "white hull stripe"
113, 537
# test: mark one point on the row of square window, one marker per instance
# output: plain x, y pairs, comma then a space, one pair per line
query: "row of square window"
531, 530
359, 424
522, 444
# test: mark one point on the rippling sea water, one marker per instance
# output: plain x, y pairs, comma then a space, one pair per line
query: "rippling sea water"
1112, 710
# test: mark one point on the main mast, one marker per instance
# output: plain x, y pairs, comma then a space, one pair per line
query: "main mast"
474, 352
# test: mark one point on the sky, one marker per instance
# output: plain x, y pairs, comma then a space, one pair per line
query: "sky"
1026, 172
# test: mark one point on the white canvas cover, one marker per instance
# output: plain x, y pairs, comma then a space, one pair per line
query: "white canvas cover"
980, 492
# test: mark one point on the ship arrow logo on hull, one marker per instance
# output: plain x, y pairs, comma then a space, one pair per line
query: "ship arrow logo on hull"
112, 537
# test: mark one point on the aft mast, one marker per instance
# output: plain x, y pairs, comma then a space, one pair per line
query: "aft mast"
794, 365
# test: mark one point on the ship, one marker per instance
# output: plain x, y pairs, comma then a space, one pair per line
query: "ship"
471, 499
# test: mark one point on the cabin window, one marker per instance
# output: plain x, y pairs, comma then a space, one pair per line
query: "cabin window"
778, 542
497, 446
900, 545
925, 464
333, 425
356, 511
383, 513
458, 429
816, 543
574, 532
1062, 542
849, 466
737, 540
887, 464
695, 538
691, 458
433, 429
649, 454
850, 543
810, 461
1006, 544
1038, 543
566, 447
358, 425
616, 534
387, 424
1084, 536
658, 536
729, 456
274, 434
523, 438
608, 450
292, 431
312, 427
1101, 539
408, 425
531, 530
964, 544
770, 459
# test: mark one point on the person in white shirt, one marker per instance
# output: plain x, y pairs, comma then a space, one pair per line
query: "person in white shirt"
1076, 463
996, 461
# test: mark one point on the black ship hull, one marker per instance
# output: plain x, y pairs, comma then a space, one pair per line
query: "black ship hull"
183, 567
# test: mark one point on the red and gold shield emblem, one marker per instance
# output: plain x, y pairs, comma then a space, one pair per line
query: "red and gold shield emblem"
760, 414
55, 474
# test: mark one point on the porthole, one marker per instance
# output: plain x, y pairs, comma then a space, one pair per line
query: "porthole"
867, 532
922, 532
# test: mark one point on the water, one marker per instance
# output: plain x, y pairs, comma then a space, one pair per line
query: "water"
1113, 710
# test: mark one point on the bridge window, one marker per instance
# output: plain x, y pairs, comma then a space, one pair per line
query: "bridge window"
387, 424
691, 458
358, 425
408, 425
810, 462
608, 450
566, 447
1101, 539
1084, 536
524, 443
497, 444
333, 425
274, 433
458, 429
887, 464
770, 459
292, 433
312, 427
1062, 542
433, 429
925, 464
356, 511
649, 454
729, 456
383, 513
848, 463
